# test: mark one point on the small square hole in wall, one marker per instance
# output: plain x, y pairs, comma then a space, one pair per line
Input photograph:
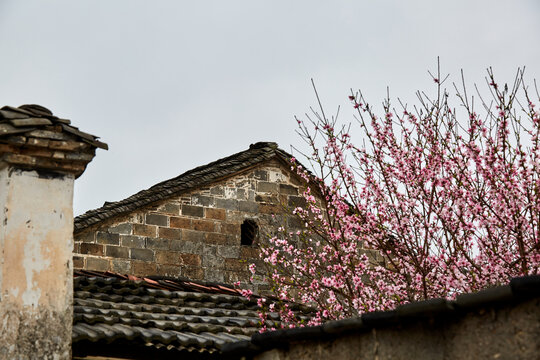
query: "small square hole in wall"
249, 231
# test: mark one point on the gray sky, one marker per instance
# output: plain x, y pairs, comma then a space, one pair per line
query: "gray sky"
171, 85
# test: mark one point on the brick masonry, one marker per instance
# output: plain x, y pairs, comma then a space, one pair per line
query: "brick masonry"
198, 234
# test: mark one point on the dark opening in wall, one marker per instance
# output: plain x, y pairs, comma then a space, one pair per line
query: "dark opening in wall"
249, 232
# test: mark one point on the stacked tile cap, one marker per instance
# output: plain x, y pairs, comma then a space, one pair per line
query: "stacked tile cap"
32, 137
161, 316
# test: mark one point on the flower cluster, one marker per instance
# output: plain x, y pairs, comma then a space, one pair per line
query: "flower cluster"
427, 206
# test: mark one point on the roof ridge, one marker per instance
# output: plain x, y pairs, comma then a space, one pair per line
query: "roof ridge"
204, 174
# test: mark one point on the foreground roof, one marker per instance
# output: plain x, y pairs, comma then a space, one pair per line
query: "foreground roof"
120, 315
200, 176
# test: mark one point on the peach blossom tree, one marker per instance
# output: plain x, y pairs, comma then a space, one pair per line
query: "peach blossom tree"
430, 201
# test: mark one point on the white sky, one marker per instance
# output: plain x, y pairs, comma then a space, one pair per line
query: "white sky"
171, 85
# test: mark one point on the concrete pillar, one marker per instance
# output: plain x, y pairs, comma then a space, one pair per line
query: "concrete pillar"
40, 157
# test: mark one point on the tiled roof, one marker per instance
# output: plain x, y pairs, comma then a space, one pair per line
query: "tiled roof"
200, 176
520, 289
170, 317
34, 119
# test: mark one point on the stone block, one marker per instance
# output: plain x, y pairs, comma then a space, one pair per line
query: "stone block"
241, 194
141, 268
145, 230
190, 210
87, 237
248, 252
121, 266
92, 249
169, 208
229, 252
191, 259
157, 219
124, 229
248, 206
217, 190
168, 233
203, 225
168, 258
78, 262
180, 222
228, 204
158, 244
142, 254
169, 270
216, 214
132, 241
191, 247
270, 209
260, 175
97, 264
235, 265
267, 187
233, 229
212, 260
294, 222
107, 238
215, 238
117, 251
288, 189
297, 201
193, 272
213, 274
191, 235
202, 200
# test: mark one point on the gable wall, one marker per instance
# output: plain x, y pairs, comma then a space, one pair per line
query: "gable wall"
196, 235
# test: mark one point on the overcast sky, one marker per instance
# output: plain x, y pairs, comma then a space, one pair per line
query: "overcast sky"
171, 85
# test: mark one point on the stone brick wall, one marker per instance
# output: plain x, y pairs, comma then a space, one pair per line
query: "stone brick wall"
196, 235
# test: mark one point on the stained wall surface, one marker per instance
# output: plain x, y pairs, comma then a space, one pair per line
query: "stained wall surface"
197, 234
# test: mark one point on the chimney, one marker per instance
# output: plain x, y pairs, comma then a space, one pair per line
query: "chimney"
40, 157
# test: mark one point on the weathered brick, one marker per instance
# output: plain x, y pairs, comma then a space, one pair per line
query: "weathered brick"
87, 237
92, 249
190, 210
235, 265
98, 264
212, 260
156, 219
213, 274
193, 272
180, 222
142, 254
215, 238
248, 252
297, 201
169, 270
107, 238
248, 206
191, 247
227, 251
161, 244
233, 229
260, 175
228, 204
203, 225
124, 229
216, 214
140, 268
132, 241
202, 200
170, 208
77, 247
168, 233
145, 230
270, 209
216, 190
121, 266
168, 258
78, 262
191, 259
191, 235
117, 252
264, 186
288, 189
